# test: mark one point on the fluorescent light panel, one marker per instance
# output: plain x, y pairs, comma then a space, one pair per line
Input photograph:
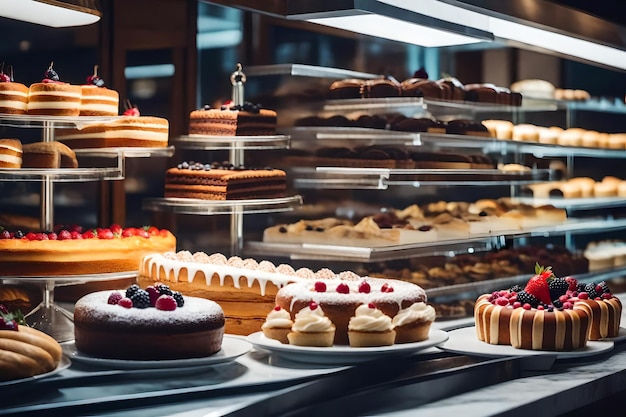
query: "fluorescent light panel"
45, 14
562, 44
149, 71
394, 29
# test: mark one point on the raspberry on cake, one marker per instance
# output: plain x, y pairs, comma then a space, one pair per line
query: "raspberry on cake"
236, 120
223, 182
13, 96
72, 251
154, 323
10, 153
51, 97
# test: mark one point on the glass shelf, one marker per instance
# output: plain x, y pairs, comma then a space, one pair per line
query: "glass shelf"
386, 104
306, 251
128, 152
593, 104
206, 142
78, 122
216, 207
476, 243
62, 174
382, 178
306, 71
574, 203
367, 136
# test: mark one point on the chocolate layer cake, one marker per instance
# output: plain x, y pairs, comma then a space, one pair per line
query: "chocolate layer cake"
223, 182
246, 120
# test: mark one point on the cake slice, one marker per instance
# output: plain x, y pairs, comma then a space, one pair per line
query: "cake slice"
48, 155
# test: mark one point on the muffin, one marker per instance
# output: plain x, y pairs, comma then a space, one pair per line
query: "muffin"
277, 325
311, 327
412, 324
370, 327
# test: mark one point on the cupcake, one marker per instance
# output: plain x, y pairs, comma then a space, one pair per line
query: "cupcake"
412, 324
277, 325
312, 328
370, 327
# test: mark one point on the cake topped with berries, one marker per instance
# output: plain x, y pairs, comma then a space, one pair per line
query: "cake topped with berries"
147, 324
74, 250
548, 313
340, 298
13, 96
96, 99
52, 97
247, 119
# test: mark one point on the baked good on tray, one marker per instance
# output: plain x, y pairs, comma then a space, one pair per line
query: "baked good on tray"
549, 313
52, 97
10, 153
147, 324
25, 352
127, 131
339, 298
370, 327
74, 251
13, 96
223, 182
245, 288
311, 327
233, 120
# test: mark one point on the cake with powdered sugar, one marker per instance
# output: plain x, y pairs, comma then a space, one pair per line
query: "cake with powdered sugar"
154, 323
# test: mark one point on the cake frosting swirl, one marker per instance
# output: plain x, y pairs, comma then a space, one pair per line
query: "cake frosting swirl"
312, 319
367, 318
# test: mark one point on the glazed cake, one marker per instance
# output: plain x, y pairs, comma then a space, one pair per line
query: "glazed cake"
549, 313
245, 288
127, 131
10, 153
246, 120
72, 251
223, 182
339, 298
147, 324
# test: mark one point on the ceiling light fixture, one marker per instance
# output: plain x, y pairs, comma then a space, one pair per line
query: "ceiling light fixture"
379, 19
53, 13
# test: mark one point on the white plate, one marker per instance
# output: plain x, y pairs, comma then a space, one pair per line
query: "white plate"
232, 348
339, 354
63, 364
465, 341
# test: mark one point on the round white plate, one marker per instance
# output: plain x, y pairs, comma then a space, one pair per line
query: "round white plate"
232, 348
63, 364
465, 341
342, 355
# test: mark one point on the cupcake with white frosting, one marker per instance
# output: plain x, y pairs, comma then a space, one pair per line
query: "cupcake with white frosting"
311, 327
412, 324
277, 325
370, 327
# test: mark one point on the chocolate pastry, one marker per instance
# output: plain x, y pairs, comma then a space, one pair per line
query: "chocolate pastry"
348, 88
380, 88
418, 87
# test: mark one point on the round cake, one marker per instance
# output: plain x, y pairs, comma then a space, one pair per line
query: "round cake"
150, 324
13, 98
339, 298
53, 98
549, 313
25, 352
98, 101
71, 251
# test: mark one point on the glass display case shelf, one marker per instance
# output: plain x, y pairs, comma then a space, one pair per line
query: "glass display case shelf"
383, 178
413, 105
128, 152
208, 142
63, 174
574, 203
474, 289
27, 120
475, 243
216, 207
603, 105
307, 251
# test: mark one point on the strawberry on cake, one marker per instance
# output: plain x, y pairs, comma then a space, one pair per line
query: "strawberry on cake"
52, 97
